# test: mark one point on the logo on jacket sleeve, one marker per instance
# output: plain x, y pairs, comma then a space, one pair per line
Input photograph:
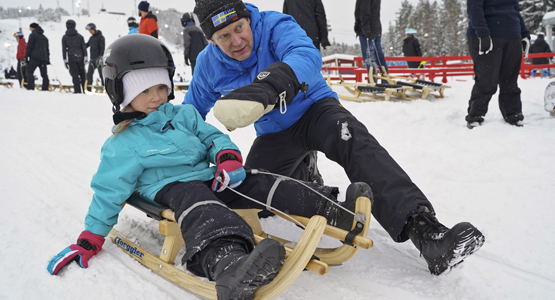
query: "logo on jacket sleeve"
262, 75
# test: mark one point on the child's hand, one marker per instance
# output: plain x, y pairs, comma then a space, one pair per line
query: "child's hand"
88, 245
230, 170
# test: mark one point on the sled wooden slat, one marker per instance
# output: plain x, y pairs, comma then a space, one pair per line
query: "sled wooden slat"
189, 282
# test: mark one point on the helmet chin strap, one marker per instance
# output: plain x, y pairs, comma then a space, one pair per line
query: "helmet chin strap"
119, 117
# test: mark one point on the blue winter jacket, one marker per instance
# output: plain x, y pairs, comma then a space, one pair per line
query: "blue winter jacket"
277, 37
133, 30
497, 18
148, 155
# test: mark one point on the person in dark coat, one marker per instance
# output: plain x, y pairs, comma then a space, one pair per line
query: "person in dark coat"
74, 53
21, 63
411, 47
97, 43
368, 28
194, 40
311, 16
540, 46
496, 32
37, 54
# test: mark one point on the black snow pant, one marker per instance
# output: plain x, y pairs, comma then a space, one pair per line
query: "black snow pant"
499, 67
30, 76
94, 64
20, 71
205, 216
77, 72
329, 128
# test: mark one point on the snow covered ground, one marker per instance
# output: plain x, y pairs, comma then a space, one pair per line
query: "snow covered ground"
496, 176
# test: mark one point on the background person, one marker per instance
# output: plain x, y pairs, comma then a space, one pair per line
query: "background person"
21, 45
149, 23
133, 26
368, 28
311, 16
74, 54
37, 54
96, 43
194, 40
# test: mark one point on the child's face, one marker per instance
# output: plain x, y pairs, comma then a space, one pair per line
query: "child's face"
150, 99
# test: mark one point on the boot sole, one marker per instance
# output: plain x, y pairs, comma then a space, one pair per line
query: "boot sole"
468, 241
258, 269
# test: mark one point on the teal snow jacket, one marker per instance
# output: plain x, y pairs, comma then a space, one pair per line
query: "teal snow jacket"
277, 37
171, 144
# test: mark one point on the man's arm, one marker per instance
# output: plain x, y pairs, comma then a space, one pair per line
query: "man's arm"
477, 18
321, 20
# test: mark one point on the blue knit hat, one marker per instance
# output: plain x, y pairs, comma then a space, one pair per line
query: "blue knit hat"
144, 6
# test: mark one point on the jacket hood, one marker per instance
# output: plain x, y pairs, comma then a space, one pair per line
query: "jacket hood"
39, 30
71, 31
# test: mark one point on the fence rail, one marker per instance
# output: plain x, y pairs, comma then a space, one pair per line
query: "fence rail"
435, 67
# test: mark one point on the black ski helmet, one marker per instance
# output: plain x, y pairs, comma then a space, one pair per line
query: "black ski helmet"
133, 52
186, 18
70, 24
131, 20
90, 26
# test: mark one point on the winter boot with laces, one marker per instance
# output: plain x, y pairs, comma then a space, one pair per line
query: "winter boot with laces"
337, 216
443, 248
238, 275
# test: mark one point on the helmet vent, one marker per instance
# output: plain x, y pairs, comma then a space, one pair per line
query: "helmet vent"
137, 62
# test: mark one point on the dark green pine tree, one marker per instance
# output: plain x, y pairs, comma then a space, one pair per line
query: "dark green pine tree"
532, 12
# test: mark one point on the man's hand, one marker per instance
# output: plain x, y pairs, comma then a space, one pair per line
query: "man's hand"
485, 45
276, 86
325, 43
66, 62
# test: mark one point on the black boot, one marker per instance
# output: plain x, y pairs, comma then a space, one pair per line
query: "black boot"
239, 274
337, 216
443, 248
473, 121
515, 120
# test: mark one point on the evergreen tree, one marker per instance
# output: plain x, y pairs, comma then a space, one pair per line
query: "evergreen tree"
532, 12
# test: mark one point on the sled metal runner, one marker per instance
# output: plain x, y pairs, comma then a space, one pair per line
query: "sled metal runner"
299, 258
417, 85
371, 91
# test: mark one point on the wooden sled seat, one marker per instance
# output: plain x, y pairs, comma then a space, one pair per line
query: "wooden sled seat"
301, 257
418, 85
184, 87
6, 84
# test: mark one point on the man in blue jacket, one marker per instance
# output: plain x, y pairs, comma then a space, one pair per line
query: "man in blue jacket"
252, 72
496, 34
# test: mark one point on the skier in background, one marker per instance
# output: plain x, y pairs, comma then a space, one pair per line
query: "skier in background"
252, 72
540, 46
149, 22
75, 56
21, 45
37, 54
311, 16
194, 40
133, 26
97, 44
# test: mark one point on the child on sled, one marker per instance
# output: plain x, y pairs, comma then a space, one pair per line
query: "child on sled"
164, 152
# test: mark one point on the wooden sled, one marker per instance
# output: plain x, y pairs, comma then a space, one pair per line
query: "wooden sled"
6, 84
179, 86
371, 91
299, 258
96, 88
421, 86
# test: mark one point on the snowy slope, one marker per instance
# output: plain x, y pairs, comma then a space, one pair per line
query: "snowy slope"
497, 176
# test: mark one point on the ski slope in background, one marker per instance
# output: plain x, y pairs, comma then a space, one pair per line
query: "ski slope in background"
496, 176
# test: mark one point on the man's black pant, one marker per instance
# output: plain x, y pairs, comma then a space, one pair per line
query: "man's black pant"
94, 64
77, 72
500, 67
30, 77
329, 128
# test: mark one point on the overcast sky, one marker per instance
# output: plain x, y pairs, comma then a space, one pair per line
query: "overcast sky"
340, 13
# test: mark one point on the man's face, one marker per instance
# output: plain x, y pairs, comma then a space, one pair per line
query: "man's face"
235, 39
91, 31
32, 29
